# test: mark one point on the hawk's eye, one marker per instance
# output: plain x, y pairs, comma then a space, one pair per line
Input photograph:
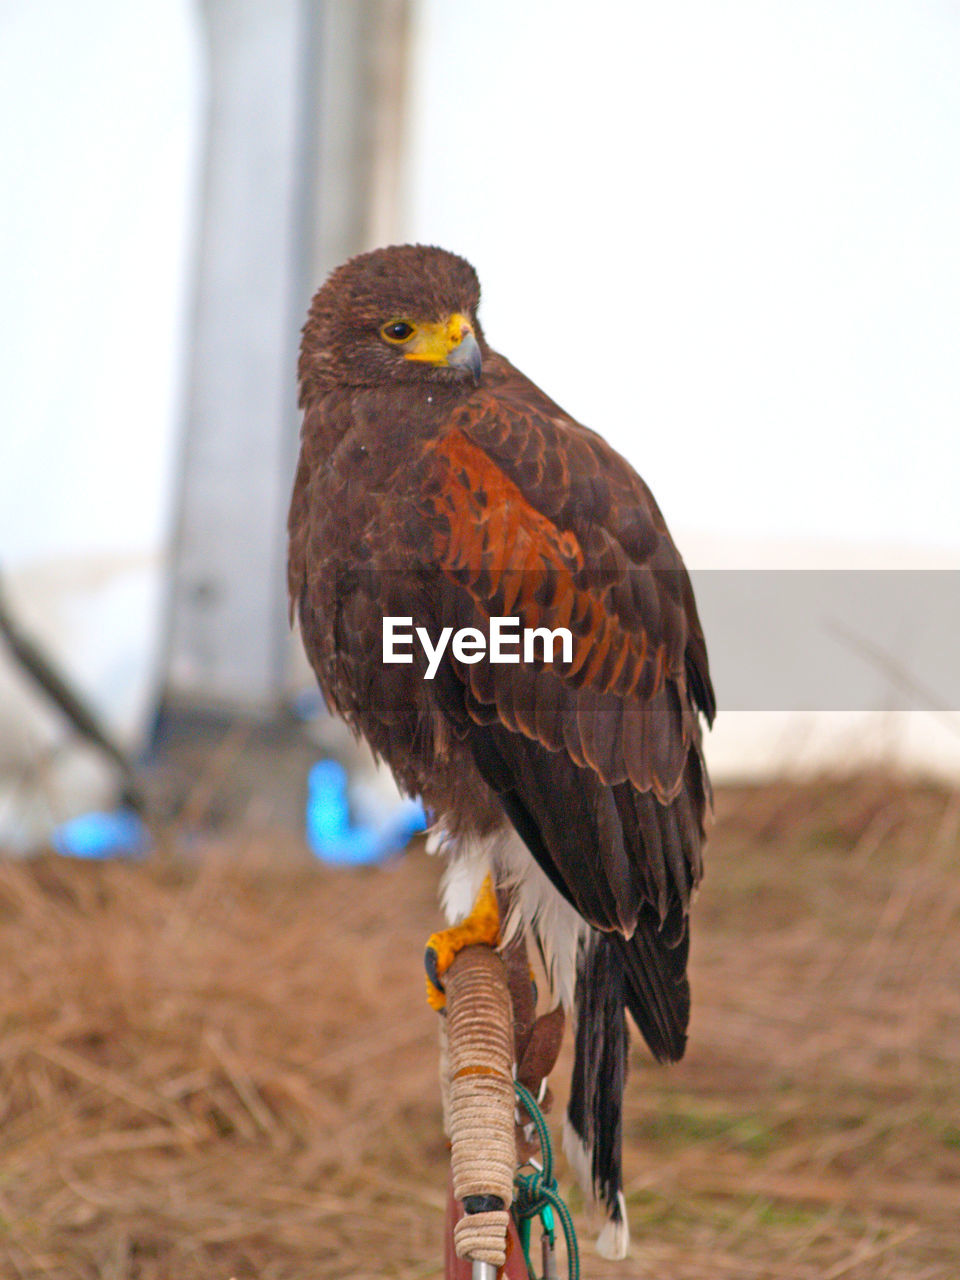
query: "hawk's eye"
397, 331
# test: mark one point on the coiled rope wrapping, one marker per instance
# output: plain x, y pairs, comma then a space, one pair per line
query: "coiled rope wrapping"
480, 1114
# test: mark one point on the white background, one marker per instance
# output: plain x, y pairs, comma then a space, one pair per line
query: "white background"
726, 235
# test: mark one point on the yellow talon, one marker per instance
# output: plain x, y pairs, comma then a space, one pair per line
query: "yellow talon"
482, 925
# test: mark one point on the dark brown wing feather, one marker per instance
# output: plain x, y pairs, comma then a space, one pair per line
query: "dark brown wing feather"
531, 515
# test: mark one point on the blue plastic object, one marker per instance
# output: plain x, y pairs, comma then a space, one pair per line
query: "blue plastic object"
335, 837
121, 834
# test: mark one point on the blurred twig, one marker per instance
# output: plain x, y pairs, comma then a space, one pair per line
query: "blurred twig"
901, 678
55, 685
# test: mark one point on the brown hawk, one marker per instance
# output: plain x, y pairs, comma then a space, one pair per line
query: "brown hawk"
439, 486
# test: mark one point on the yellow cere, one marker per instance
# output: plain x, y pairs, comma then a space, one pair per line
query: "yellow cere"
434, 342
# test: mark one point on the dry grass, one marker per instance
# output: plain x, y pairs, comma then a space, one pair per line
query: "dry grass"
222, 1067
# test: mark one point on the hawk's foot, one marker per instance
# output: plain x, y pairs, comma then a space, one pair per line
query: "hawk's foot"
482, 925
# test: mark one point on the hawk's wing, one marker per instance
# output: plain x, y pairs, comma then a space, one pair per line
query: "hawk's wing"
596, 761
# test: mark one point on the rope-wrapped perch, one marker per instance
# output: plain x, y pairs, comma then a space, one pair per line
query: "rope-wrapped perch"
479, 1111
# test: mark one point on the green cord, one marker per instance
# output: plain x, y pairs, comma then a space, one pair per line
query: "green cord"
536, 1194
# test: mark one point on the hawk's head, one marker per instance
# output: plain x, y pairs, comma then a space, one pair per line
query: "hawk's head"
403, 314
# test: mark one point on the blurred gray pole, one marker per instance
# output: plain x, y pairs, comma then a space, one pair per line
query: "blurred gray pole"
301, 169
227, 623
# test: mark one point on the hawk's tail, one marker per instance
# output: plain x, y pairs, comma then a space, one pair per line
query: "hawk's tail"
645, 974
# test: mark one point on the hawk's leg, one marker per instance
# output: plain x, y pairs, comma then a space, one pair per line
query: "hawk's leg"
537, 1042
482, 925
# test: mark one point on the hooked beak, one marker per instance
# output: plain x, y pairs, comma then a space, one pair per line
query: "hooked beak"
467, 356
449, 342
